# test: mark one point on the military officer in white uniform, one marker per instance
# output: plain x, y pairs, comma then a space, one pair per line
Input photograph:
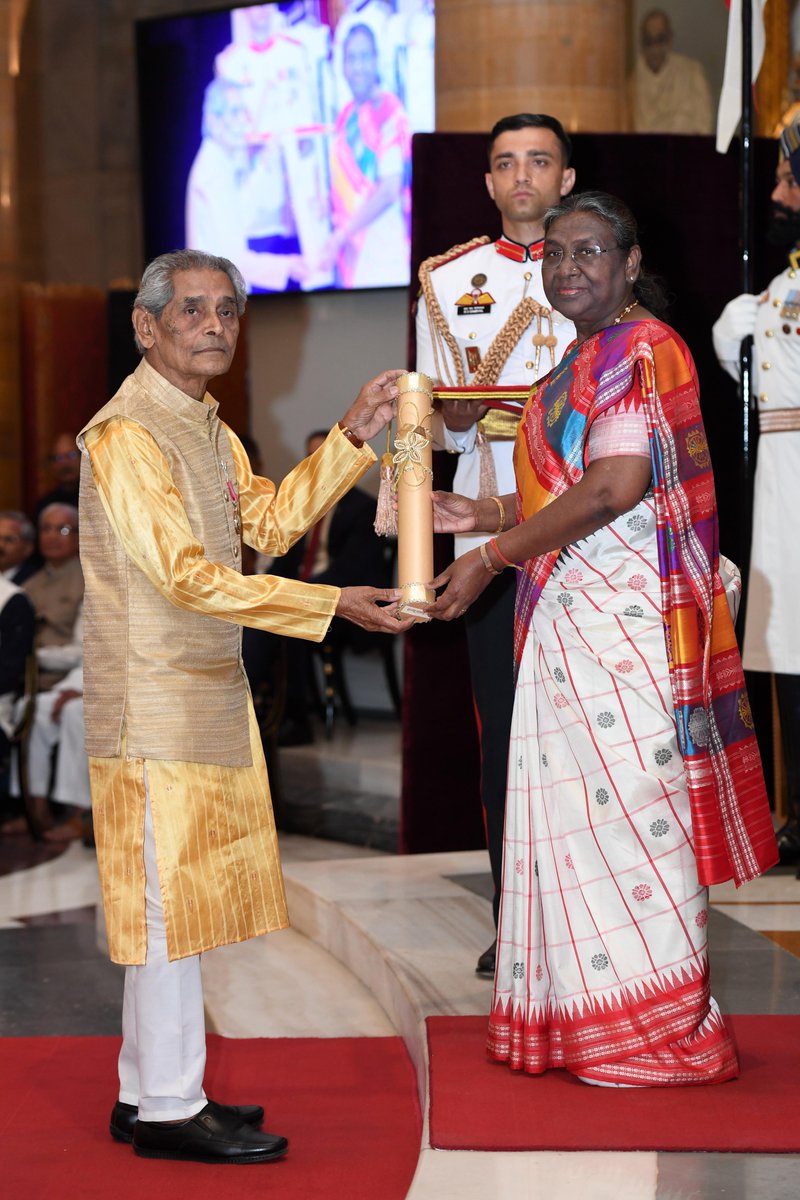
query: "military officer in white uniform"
772, 631
483, 327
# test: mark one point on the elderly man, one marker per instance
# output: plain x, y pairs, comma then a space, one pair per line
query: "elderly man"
17, 547
186, 839
669, 92
65, 468
772, 633
56, 592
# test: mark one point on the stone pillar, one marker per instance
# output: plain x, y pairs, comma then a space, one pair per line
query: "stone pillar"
12, 14
564, 57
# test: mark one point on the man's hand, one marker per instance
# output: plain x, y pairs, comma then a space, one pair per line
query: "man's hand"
62, 699
466, 579
453, 513
373, 408
374, 609
460, 415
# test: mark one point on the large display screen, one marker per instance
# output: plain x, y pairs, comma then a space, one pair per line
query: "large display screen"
279, 135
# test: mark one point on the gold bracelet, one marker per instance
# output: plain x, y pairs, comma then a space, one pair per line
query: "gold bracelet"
353, 438
487, 562
500, 506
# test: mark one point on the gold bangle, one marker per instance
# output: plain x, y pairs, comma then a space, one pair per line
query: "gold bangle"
487, 562
502, 524
353, 438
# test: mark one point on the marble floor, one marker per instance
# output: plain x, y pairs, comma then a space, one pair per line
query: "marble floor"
384, 941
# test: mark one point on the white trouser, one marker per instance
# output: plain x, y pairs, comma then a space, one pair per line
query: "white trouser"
44, 736
71, 784
163, 1056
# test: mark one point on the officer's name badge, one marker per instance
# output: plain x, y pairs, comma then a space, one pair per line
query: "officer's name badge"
791, 305
476, 301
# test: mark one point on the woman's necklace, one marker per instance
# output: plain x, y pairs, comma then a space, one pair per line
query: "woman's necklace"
628, 308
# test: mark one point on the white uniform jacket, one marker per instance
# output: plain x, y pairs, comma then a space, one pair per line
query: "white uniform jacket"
506, 283
772, 631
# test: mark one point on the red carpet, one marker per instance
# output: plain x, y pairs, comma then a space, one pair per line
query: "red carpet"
478, 1105
348, 1106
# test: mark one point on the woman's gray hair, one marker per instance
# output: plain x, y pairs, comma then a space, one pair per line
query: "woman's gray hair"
647, 289
158, 288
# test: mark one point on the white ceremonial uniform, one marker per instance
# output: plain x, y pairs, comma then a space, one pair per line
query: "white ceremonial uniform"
508, 282
772, 631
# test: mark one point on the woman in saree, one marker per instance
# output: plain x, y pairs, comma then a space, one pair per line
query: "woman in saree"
370, 176
634, 775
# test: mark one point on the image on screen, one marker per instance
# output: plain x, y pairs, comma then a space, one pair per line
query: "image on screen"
279, 136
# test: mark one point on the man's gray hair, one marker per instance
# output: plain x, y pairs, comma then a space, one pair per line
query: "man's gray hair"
26, 530
158, 288
67, 508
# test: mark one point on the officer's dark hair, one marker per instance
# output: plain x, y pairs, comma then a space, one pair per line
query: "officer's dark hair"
532, 121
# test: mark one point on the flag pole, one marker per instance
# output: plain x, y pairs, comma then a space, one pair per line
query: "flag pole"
746, 154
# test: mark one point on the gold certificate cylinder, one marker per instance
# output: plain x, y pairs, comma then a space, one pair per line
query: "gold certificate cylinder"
414, 461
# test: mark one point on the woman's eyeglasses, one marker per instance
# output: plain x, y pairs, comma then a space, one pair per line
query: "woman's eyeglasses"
582, 256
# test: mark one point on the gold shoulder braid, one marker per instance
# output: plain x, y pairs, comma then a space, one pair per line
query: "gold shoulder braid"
440, 330
494, 424
496, 357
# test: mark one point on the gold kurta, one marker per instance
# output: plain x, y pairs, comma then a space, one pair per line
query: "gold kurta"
215, 835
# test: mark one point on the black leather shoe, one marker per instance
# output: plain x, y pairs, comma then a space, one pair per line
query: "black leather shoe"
788, 839
487, 962
214, 1135
124, 1116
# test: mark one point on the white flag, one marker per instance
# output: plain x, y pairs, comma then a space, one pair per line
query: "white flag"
730, 100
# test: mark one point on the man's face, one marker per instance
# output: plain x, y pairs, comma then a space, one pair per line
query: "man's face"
58, 535
13, 549
195, 337
787, 189
65, 460
656, 42
264, 20
784, 223
527, 174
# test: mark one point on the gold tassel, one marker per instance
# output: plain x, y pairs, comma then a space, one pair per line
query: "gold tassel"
385, 524
487, 485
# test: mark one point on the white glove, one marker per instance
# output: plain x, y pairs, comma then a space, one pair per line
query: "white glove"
736, 322
738, 319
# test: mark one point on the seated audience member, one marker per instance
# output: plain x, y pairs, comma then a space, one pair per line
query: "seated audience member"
18, 559
58, 728
65, 468
669, 92
340, 549
56, 592
16, 643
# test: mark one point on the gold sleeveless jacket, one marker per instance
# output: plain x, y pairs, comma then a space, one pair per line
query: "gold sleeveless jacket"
144, 657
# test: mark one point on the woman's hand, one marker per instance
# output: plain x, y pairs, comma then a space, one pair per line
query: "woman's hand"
453, 513
373, 407
374, 609
466, 578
